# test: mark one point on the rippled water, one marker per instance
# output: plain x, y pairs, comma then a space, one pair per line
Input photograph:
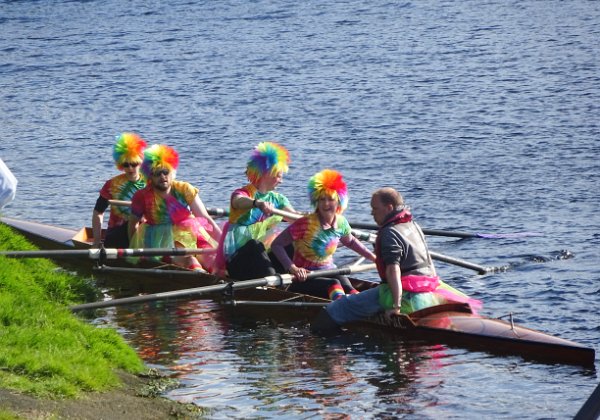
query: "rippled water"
484, 114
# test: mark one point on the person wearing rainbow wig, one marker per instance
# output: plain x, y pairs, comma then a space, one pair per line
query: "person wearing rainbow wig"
172, 212
315, 238
128, 153
408, 277
249, 231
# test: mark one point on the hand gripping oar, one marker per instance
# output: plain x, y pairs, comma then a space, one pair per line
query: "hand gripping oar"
276, 280
107, 253
370, 237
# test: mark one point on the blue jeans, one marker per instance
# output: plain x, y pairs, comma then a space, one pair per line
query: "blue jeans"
355, 307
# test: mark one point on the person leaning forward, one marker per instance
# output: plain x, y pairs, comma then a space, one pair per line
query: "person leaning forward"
168, 213
250, 229
408, 276
128, 153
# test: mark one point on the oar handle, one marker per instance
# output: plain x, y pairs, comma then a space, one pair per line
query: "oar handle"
121, 203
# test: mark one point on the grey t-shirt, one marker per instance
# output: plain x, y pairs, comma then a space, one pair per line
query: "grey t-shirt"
404, 244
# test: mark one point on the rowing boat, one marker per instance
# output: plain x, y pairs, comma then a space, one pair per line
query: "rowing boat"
453, 324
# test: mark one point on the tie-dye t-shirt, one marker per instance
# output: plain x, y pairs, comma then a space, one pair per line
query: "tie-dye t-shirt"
120, 188
314, 246
157, 210
248, 217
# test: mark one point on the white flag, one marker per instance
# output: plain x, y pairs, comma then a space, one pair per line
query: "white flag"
8, 185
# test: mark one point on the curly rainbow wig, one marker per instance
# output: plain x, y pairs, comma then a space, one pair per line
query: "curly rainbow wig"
157, 157
267, 158
129, 148
328, 183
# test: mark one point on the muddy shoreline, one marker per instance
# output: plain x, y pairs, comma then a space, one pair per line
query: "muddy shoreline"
136, 399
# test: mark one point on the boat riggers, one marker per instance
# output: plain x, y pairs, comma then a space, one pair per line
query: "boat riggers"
108, 253
218, 212
277, 280
370, 237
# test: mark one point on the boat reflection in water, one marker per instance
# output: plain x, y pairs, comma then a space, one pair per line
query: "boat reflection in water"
242, 366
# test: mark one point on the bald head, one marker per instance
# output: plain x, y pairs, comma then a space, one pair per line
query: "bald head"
389, 196
383, 202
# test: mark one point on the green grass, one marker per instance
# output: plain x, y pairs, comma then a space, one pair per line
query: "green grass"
44, 349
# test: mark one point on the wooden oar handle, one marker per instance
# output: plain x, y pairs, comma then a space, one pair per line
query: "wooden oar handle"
119, 203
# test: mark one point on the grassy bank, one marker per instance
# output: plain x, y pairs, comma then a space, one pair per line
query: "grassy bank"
46, 351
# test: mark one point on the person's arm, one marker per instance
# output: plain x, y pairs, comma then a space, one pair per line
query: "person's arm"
392, 253
243, 202
393, 276
278, 248
97, 219
199, 210
357, 246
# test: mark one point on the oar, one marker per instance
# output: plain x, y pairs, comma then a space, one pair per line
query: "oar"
430, 232
107, 253
213, 211
461, 263
220, 212
276, 280
591, 408
370, 237
364, 236
457, 234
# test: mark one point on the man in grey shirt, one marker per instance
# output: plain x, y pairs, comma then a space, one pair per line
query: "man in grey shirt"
402, 257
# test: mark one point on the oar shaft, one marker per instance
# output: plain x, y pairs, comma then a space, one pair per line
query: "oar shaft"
219, 212
449, 234
277, 280
54, 253
370, 237
108, 253
151, 297
359, 234
365, 236
461, 263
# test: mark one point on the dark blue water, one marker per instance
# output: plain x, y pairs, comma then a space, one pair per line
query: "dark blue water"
484, 114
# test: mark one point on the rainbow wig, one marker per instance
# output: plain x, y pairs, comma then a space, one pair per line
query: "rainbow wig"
159, 156
328, 182
267, 158
129, 148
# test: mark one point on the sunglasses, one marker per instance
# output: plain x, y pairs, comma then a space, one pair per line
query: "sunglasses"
161, 172
130, 165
